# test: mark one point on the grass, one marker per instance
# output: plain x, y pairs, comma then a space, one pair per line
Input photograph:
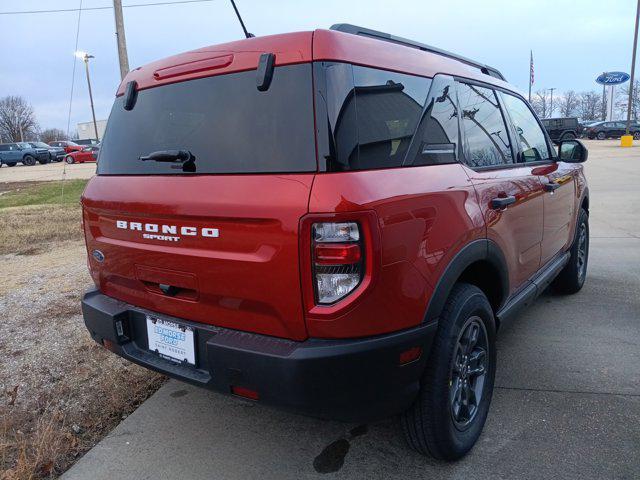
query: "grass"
44, 193
36, 214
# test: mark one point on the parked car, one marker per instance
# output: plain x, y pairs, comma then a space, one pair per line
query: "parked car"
68, 145
339, 229
21, 152
56, 154
561, 128
87, 154
87, 141
602, 130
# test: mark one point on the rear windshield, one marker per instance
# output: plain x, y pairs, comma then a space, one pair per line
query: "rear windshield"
224, 121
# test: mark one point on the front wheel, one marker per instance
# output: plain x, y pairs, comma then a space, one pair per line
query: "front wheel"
11, 164
601, 136
636, 135
29, 160
448, 416
572, 277
69, 159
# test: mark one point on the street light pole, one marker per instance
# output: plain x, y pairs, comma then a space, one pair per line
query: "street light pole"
633, 68
85, 57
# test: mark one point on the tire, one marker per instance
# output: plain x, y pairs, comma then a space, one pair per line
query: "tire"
11, 164
44, 162
601, 136
431, 425
568, 136
69, 159
29, 160
571, 278
636, 135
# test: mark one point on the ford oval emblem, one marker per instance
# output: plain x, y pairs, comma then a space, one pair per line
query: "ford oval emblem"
98, 255
612, 78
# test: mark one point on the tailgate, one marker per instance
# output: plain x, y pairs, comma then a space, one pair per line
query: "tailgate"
216, 249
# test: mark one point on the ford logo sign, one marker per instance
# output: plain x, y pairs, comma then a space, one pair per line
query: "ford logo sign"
612, 78
98, 255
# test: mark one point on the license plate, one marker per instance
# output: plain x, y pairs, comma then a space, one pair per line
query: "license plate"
170, 340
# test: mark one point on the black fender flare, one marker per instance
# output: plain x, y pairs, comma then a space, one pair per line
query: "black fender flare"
474, 251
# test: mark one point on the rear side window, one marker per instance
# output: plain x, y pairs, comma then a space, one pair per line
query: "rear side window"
486, 141
529, 133
224, 121
373, 115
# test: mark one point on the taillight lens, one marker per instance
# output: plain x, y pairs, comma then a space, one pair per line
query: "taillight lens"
338, 265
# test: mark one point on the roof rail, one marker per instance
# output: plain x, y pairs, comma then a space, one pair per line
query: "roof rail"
387, 37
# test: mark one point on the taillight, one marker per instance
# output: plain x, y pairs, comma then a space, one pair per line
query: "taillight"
338, 265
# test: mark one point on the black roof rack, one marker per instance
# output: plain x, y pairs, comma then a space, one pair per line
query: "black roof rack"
387, 37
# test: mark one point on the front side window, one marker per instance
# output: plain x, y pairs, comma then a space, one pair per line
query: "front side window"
529, 134
373, 115
486, 141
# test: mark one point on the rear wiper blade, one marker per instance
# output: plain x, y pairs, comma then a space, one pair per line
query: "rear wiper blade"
173, 156
183, 159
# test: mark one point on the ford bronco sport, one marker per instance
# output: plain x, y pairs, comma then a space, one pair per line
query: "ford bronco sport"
333, 222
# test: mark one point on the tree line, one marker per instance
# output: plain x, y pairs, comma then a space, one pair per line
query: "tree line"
18, 123
587, 106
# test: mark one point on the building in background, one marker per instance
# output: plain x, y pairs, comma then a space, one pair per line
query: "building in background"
86, 131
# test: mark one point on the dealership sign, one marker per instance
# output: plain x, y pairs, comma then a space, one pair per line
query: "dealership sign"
612, 78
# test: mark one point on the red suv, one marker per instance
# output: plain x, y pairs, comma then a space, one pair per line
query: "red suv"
334, 222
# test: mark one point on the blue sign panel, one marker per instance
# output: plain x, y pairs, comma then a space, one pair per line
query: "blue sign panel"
612, 78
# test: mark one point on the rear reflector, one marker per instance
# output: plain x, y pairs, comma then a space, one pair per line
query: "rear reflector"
337, 253
410, 355
244, 392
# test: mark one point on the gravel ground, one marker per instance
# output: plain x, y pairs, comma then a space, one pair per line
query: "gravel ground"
60, 392
49, 171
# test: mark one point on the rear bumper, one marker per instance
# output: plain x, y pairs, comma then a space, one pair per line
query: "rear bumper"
349, 380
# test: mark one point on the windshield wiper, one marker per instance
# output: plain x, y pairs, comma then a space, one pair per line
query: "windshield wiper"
183, 158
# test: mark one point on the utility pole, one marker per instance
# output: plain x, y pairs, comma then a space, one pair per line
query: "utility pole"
633, 68
121, 39
551, 106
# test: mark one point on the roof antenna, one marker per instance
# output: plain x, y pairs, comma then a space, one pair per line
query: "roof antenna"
246, 34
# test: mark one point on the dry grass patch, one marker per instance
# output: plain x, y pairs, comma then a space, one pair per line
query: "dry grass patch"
27, 230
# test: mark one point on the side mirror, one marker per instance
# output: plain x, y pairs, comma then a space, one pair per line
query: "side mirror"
572, 151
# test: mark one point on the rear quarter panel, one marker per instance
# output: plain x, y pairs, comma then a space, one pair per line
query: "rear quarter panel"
425, 216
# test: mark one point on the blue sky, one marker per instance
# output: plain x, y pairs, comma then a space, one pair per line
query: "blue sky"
571, 45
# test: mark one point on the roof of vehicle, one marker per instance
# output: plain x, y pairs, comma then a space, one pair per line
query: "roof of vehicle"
300, 47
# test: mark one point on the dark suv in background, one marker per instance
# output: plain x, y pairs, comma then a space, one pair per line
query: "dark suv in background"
56, 154
561, 128
602, 130
13, 153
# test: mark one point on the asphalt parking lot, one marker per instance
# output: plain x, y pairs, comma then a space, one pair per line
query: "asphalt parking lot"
567, 402
46, 172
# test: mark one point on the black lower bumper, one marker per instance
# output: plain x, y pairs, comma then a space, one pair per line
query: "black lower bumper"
350, 380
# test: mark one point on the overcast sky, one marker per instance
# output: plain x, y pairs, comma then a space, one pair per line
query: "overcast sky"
571, 46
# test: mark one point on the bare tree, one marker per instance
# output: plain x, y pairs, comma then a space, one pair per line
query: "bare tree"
589, 106
623, 101
52, 134
541, 103
17, 120
568, 104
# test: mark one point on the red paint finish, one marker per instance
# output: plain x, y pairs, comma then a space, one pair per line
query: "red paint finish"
247, 278
86, 154
417, 219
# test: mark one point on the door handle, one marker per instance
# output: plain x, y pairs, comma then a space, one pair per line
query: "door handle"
499, 203
552, 186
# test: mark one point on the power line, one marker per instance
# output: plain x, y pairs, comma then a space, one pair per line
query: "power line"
63, 10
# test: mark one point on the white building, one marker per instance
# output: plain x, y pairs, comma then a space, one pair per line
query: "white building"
87, 132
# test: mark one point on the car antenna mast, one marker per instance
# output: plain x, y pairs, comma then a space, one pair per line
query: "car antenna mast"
246, 34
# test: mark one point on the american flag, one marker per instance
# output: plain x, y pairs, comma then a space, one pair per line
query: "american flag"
531, 69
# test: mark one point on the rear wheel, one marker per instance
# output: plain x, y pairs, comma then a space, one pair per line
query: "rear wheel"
601, 136
568, 136
11, 164
29, 160
451, 409
636, 135
572, 277
69, 159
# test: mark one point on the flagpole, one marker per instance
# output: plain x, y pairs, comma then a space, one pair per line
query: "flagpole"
530, 73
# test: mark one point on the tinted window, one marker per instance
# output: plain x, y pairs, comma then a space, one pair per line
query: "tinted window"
486, 141
4, 148
224, 121
530, 136
437, 137
373, 115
